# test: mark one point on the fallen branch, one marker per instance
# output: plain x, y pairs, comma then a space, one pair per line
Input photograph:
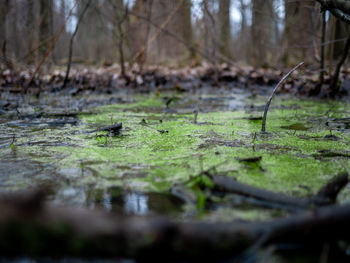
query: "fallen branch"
326, 196
273, 93
30, 229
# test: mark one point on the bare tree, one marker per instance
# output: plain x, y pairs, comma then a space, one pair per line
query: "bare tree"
4, 10
209, 29
225, 27
262, 22
298, 30
44, 27
341, 10
80, 18
244, 34
121, 14
30, 21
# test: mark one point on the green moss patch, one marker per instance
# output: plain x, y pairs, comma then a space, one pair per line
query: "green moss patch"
161, 146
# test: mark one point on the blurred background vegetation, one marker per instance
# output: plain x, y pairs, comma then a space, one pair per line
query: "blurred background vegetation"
260, 33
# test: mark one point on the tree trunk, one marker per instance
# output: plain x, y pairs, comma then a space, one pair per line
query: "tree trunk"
244, 47
225, 28
120, 16
262, 24
30, 31
298, 30
44, 28
341, 32
4, 9
185, 18
209, 28
51, 25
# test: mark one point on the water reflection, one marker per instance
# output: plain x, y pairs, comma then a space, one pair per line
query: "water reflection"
136, 203
117, 200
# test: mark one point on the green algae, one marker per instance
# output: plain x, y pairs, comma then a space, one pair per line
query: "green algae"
145, 159
155, 161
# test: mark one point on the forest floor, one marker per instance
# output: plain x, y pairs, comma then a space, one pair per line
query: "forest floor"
150, 79
182, 132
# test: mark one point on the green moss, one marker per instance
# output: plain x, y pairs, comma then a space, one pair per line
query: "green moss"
142, 158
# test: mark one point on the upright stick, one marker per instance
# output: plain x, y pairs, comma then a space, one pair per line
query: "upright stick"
273, 93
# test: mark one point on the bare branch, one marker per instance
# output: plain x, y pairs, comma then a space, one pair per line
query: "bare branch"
339, 8
273, 93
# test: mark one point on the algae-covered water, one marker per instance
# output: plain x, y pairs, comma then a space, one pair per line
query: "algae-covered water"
167, 139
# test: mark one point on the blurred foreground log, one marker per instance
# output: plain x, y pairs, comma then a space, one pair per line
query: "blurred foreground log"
28, 228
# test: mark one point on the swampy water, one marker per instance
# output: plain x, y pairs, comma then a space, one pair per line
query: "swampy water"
55, 143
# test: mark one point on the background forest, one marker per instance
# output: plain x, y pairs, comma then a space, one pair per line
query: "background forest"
183, 32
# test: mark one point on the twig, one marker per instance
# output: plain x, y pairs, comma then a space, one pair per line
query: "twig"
71, 43
329, 110
273, 93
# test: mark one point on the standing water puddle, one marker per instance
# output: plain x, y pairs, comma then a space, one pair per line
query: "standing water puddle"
55, 144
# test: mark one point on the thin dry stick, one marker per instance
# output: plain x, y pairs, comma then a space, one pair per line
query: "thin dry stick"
273, 93
156, 34
54, 41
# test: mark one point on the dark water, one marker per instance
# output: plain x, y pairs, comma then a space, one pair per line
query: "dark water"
117, 200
